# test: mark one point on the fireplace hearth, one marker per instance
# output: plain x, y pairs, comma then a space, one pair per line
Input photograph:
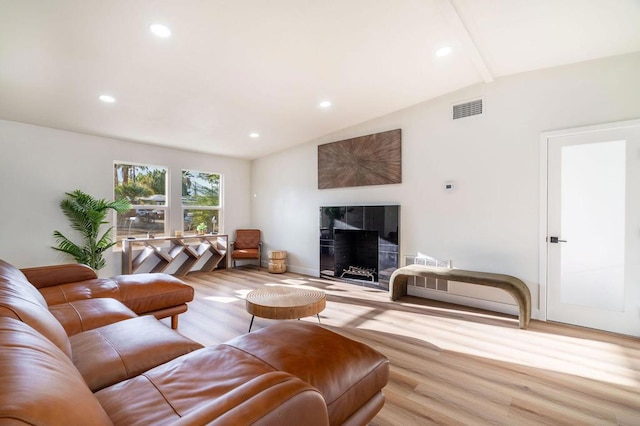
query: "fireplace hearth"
359, 243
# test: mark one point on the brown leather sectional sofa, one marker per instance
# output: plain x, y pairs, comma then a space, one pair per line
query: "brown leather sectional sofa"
89, 359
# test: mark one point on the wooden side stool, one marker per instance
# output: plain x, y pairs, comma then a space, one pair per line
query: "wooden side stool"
277, 261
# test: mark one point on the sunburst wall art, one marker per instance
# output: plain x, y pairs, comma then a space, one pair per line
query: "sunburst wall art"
366, 160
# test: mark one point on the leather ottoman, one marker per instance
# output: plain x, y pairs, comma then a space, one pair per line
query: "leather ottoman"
348, 374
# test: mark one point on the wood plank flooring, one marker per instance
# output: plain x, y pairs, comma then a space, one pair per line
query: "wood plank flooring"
449, 364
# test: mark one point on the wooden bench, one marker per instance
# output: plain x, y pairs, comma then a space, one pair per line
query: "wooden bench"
512, 285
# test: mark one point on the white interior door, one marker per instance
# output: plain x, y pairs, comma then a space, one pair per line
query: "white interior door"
593, 229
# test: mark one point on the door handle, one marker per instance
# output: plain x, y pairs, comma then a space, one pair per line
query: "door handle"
556, 240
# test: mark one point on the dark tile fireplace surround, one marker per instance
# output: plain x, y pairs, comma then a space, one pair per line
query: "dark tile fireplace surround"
359, 243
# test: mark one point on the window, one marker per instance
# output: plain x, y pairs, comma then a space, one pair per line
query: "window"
201, 201
145, 187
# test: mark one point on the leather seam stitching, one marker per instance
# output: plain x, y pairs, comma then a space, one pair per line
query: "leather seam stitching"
78, 315
175, 410
124, 365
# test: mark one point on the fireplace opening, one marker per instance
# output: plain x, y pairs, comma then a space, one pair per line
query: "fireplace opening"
356, 254
359, 244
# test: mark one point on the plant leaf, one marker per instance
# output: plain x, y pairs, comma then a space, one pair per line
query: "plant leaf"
86, 215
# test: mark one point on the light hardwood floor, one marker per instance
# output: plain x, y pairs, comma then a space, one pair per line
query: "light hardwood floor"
449, 364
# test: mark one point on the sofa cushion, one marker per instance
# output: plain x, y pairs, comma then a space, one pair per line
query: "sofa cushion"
214, 385
146, 293
79, 290
40, 385
245, 253
87, 314
119, 351
346, 372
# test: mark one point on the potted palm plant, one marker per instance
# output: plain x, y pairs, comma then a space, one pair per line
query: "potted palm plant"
87, 215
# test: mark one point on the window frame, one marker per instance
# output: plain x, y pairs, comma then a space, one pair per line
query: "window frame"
219, 226
165, 207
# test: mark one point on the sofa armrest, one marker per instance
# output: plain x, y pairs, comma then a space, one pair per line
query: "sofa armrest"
52, 275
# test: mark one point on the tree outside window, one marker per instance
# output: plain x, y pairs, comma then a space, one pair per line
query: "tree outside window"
201, 206
145, 187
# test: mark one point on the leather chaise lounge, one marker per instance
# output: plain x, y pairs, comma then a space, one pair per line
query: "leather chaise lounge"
105, 365
160, 295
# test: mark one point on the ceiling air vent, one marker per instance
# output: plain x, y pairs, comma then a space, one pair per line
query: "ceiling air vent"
467, 109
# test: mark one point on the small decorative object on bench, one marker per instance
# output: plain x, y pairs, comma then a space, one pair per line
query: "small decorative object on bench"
201, 228
421, 259
508, 283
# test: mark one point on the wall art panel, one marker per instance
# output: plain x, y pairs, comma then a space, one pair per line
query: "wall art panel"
366, 160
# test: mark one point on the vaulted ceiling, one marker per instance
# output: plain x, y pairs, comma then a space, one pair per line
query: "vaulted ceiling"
235, 67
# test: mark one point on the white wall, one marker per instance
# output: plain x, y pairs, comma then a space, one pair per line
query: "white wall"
490, 221
38, 165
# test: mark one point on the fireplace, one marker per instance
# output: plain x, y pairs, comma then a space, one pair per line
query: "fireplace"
359, 243
356, 254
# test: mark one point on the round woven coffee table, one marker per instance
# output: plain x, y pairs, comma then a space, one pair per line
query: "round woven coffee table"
275, 302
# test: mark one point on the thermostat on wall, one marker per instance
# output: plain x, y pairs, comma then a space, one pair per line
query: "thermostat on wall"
449, 186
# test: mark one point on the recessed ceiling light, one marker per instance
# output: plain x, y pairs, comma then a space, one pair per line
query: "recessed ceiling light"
254, 135
160, 30
107, 99
325, 104
443, 51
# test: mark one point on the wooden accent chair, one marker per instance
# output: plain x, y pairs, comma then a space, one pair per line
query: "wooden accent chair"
247, 245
